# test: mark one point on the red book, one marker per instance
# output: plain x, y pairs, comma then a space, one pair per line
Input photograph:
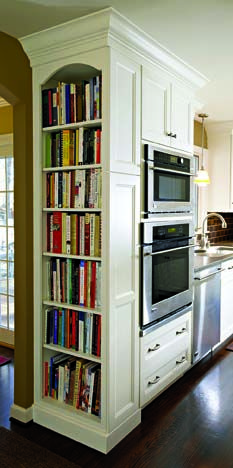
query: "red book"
87, 234
73, 329
46, 378
98, 145
85, 283
57, 232
67, 328
93, 284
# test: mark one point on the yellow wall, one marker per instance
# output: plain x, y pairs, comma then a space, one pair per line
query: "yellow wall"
198, 134
6, 120
16, 88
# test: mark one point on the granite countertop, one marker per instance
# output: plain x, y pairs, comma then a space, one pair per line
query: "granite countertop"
204, 261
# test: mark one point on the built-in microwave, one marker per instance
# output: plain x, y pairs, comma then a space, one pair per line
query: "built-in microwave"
168, 181
166, 266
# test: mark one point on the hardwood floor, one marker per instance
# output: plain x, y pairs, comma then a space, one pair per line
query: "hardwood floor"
189, 426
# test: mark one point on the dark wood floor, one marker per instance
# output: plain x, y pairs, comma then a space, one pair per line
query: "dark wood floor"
188, 426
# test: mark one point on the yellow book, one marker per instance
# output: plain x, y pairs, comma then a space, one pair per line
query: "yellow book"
97, 251
65, 147
73, 233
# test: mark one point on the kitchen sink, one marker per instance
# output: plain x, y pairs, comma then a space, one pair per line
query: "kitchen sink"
215, 251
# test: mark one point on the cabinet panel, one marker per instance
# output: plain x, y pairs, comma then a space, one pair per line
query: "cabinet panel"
226, 320
181, 119
155, 107
125, 115
123, 300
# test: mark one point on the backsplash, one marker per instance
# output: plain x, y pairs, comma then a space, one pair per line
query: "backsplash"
217, 233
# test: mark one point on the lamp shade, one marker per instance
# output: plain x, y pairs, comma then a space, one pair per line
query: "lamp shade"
202, 178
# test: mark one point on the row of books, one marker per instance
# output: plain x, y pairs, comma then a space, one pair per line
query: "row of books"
73, 147
74, 281
77, 382
75, 234
80, 188
72, 102
74, 329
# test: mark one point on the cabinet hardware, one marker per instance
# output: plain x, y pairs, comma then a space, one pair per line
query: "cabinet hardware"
154, 381
157, 346
173, 135
179, 361
169, 134
179, 332
196, 353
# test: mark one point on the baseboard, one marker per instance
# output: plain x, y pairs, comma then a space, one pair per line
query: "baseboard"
23, 415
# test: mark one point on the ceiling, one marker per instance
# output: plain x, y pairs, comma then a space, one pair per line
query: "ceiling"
200, 32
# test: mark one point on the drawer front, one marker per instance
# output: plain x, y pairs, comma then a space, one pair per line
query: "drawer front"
152, 384
159, 346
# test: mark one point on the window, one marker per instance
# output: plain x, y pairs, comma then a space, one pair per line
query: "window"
7, 242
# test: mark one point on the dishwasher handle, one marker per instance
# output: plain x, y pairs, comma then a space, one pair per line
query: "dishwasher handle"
219, 270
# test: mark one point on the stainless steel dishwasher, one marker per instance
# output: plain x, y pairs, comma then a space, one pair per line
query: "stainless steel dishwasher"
206, 313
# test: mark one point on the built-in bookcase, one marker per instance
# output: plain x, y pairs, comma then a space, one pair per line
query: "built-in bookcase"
86, 227
71, 257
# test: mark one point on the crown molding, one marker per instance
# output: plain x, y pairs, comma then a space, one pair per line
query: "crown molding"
104, 28
3, 103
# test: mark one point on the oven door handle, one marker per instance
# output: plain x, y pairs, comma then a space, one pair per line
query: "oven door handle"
155, 168
168, 250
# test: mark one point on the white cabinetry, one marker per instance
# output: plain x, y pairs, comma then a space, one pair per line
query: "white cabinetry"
165, 356
220, 190
167, 115
226, 317
108, 44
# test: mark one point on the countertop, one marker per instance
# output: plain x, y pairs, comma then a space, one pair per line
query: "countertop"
204, 261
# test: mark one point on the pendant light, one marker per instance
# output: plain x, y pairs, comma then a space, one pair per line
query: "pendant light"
202, 177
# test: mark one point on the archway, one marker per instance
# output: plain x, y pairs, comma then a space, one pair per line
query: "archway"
16, 88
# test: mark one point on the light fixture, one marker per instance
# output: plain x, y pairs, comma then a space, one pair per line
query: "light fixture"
202, 177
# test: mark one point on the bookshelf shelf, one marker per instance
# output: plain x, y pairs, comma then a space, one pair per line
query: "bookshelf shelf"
78, 257
73, 307
71, 352
85, 418
87, 123
72, 168
74, 210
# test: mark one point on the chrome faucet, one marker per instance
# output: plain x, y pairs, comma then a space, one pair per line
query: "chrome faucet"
204, 243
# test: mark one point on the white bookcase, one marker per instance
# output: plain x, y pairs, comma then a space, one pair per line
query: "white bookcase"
106, 43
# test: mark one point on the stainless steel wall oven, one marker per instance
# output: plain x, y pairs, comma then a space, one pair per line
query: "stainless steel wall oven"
168, 184
166, 267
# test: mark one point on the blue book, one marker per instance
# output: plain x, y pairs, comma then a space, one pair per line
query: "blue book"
55, 333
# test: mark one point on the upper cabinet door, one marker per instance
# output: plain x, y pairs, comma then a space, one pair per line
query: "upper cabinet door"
167, 116
156, 98
181, 119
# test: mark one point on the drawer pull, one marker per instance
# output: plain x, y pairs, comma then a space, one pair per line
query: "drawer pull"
179, 361
155, 347
154, 381
179, 332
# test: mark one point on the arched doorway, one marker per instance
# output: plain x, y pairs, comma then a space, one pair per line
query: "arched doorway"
15, 87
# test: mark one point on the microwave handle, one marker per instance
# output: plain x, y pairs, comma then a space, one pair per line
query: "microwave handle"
154, 168
169, 250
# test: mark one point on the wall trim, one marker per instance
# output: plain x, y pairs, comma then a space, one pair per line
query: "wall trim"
23, 415
3, 103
